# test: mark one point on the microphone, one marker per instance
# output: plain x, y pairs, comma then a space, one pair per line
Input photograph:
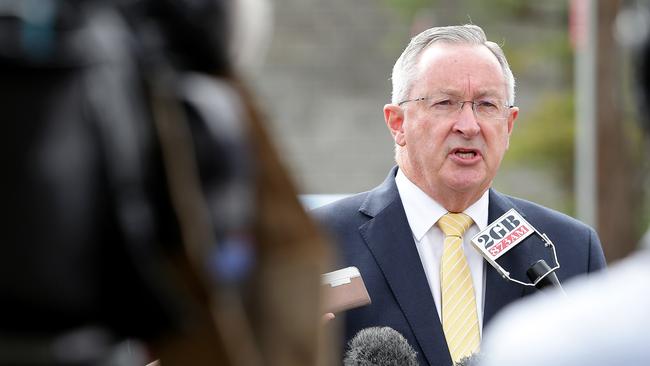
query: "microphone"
503, 235
543, 276
379, 346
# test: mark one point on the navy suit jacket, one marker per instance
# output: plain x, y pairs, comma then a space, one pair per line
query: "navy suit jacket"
373, 234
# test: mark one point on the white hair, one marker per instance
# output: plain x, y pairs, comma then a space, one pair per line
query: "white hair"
405, 70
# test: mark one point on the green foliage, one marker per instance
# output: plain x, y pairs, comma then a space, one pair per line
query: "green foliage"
526, 59
498, 10
408, 8
546, 137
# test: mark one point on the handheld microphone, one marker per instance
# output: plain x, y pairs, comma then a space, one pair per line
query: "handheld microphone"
379, 346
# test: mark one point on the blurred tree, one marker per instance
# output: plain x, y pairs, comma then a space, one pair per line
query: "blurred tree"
618, 188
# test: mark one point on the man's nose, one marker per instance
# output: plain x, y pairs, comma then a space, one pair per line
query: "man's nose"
467, 123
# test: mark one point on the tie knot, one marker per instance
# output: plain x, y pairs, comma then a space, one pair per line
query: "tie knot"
455, 224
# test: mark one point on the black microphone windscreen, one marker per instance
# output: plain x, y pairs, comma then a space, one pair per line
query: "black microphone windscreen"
379, 346
542, 275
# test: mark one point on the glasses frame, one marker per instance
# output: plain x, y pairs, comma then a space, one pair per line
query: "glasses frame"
461, 103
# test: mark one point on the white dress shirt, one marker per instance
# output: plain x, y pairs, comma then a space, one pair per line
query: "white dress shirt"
422, 213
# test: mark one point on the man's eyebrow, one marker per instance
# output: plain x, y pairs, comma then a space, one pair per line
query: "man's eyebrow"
448, 92
490, 92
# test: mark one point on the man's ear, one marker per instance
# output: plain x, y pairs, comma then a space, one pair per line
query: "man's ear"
514, 113
394, 117
512, 116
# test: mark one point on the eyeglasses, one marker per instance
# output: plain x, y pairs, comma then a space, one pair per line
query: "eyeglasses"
446, 107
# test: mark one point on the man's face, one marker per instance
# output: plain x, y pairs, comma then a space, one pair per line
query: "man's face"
455, 155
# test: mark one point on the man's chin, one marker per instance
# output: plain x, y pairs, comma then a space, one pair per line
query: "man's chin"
468, 185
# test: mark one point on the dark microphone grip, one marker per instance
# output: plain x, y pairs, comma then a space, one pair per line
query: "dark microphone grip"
541, 275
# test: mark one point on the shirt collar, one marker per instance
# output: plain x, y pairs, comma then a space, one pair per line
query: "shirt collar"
422, 212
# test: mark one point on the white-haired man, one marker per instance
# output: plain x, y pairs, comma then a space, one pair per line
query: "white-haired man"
451, 116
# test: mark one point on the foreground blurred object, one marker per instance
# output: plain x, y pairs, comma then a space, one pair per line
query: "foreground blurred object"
146, 214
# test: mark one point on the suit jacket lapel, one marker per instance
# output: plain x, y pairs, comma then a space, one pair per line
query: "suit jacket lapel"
389, 238
499, 291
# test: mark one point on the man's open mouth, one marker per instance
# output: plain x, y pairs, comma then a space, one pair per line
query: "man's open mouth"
465, 153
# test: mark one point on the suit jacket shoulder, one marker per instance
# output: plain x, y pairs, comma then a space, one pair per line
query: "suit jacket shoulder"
565, 231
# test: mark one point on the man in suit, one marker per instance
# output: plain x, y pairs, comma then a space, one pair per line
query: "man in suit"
451, 116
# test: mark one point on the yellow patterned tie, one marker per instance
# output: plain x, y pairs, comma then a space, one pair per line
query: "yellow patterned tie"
459, 317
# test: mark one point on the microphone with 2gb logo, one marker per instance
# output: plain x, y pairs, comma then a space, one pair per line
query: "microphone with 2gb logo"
504, 234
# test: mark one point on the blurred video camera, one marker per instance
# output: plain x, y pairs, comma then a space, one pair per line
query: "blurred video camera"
125, 162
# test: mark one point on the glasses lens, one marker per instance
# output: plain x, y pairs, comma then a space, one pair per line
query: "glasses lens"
488, 109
